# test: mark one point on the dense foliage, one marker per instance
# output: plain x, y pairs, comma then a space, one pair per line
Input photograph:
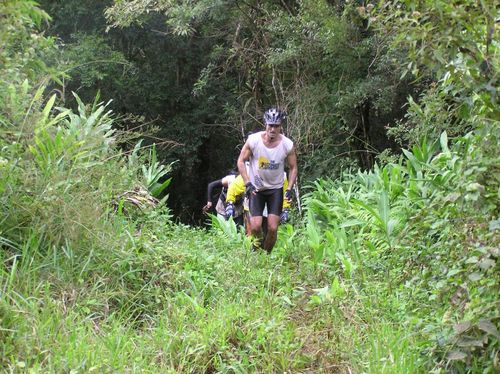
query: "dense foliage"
413, 246
394, 269
212, 67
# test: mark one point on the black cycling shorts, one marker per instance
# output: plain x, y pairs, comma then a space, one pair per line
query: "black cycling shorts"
272, 198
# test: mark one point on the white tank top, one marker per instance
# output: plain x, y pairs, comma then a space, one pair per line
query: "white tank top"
267, 165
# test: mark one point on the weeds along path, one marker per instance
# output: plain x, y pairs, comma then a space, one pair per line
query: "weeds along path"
171, 299
234, 309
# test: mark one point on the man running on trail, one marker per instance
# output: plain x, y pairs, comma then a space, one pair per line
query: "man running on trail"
267, 151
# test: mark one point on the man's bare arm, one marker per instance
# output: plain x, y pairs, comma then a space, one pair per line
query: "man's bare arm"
225, 180
245, 155
293, 168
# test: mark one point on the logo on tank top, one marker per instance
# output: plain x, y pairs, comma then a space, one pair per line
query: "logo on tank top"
265, 164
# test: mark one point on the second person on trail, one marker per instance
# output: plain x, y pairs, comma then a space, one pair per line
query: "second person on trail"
267, 152
221, 207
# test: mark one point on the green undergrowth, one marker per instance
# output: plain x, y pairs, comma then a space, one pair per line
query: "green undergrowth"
171, 299
410, 250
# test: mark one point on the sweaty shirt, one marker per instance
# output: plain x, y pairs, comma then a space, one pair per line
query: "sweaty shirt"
267, 165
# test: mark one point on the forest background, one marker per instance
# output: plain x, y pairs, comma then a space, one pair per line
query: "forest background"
393, 107
198, 76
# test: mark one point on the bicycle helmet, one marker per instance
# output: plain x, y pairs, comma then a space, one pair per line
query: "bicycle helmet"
274, 116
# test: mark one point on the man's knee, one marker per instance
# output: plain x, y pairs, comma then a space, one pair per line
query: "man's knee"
256, 231
272, 223
256, 225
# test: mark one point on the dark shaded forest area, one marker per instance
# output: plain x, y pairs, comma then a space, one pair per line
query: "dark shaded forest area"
150, 76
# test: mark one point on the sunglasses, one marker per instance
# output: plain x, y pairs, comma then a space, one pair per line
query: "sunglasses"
274, 125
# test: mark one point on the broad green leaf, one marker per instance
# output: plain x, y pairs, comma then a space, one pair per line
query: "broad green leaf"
383, 208
351, 223
469, 343
475, 276
48, 108
486, 263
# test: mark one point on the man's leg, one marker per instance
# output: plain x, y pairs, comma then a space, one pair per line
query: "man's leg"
274, 203
256, 227
246, 223
264, 226
272, 232
239, 221
256, 206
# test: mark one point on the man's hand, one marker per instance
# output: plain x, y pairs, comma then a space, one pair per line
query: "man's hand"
288, 195
284, 216
250, 189
229, 210
207, 207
